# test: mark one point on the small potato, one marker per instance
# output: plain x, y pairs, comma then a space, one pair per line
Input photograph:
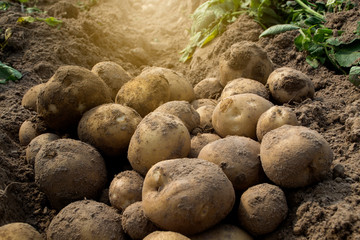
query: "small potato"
183, 110
19, 231
203, 102
35, 145
223, 232
144, 93
112, 74
27, 132
187, 195
275, 117
159, 136
69, 93
262, 208
29, 99
290, 85
163, 235
199, 141
238, 115
109, 128
125, 189
245, 60
206, 113
244, 85
238, 157
295, 156
67, 170
208, 88
135, 223
86, 219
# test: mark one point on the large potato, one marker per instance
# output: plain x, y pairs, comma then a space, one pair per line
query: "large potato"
19, 231
238, 114
144, 93
165, 235
223, 232
159, 136
244, 85
35, 145
238, 157
67, 170
69, 93
86, 219
187, 195
295, 156
109, 128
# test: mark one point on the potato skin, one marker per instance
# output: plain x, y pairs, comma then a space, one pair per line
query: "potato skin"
196, 192
223, 232
262, 208
29, 100
244, 85
165, 235
208, 88
199, 141
206, 113
67, 170
86, 219
203, 102
18, 230
35, 145
295, 156
27, 132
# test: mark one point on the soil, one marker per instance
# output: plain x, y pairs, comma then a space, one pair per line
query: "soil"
137, 34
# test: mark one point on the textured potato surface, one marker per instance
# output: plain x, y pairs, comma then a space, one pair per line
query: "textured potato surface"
19, 231
244, 85
35, 145
223, 232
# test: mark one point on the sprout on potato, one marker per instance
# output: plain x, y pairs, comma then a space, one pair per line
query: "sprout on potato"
244, 85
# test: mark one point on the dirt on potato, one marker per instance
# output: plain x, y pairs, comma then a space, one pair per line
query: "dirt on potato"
136, 34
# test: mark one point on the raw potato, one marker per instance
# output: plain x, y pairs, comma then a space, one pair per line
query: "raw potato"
206, 113
162, 235
187, 195
159, 136
144, 93
135, 223
29, 100
182, 110
27, 132
203, 102
199, 141
109, 128
69, 93
238, 115
19, 231
35, 145
290, 85
295, 156
275, 117
238, 157
112, 74
208, 88
180, 88
245, 60
125, 189
84, 220
223, 232
262, 208
67, 170
244, 85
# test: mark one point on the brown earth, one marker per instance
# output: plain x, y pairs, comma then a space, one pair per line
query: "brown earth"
140, 33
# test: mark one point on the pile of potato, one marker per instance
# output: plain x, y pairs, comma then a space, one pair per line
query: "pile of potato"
189, 150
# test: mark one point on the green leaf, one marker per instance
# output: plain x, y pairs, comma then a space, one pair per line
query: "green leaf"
276, 29
51, 21
33, 10
23, 1
4, 5
26, 20
8, 73
312, 61
354, 76
348, 55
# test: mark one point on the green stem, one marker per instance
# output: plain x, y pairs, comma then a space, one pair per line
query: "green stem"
310, 11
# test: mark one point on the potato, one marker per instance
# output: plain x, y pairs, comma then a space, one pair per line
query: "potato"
275, 117
144, 93
206, 113
182, 110
159, 136
135, 223
27, 132
245, 60
295, 156
180, 87
125, 189
67, 170
223, 232
187, 195
84, 220
109, 128
69, 93
262, 208
208, 88
19, 231
29, 99
35, 145
203, 102
238, 157
244, 85
238, 114
112, 74
199, 141
290, 85
165, 235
